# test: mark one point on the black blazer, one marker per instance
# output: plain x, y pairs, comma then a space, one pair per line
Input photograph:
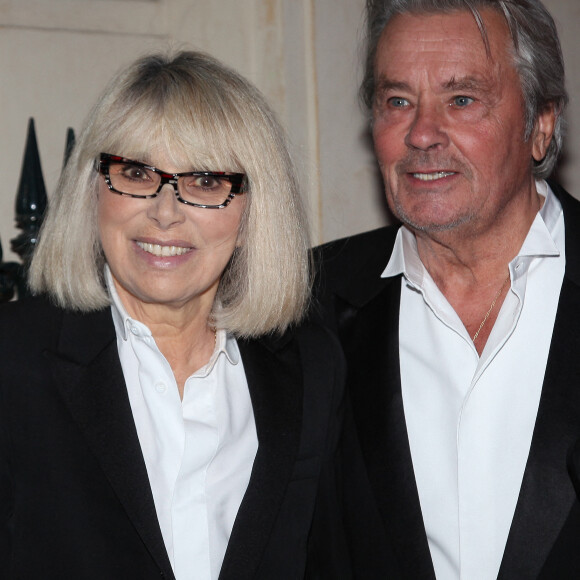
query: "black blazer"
75, 501
544, 539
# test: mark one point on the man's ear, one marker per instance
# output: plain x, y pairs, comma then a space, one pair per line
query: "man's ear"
543, 132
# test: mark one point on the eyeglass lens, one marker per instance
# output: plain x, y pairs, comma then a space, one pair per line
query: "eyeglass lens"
198, 188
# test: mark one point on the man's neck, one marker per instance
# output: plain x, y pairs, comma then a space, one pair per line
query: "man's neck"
471, 268
473, 254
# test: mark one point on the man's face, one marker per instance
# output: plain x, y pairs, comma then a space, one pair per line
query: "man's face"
449, 123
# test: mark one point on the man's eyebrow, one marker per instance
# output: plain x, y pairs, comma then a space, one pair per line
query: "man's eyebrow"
385, 84
469, 83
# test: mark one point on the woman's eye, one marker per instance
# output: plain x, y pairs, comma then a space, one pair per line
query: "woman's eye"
135, 173
205, 182
462, 101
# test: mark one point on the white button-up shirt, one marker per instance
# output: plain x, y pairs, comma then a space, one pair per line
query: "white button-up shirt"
470, 419
198, 452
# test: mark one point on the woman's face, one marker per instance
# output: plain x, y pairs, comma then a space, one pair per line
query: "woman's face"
163, 252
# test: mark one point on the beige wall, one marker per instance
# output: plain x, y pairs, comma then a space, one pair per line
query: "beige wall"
56, 55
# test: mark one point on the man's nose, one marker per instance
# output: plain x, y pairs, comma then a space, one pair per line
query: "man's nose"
427, 129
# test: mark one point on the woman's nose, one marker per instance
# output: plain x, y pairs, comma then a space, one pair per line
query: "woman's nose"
165, 209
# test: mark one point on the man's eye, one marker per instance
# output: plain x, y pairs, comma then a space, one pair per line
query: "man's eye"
462, 101
397, 102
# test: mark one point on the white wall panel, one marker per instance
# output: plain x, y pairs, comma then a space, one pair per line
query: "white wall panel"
56, 56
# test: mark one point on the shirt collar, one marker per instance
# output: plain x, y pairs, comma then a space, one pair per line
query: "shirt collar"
540, 238
539, 241
125, 326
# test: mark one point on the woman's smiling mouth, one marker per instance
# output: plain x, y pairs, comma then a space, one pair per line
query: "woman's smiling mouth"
163, 251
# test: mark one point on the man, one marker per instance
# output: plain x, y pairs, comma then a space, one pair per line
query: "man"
462, 327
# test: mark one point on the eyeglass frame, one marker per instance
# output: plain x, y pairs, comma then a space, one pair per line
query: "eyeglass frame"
236, 180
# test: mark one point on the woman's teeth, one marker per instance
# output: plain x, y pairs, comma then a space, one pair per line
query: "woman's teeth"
158, 250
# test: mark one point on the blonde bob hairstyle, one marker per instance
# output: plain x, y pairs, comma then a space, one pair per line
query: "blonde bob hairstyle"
205, 117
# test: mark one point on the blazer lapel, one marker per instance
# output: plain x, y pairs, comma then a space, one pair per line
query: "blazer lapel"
371, 343
547, 494
274, 375
365, 309
88, 374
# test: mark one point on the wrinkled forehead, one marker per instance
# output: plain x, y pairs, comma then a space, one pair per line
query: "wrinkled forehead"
479, 13
446, 37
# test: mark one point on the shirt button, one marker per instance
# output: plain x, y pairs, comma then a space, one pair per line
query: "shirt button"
134, 330
161, 387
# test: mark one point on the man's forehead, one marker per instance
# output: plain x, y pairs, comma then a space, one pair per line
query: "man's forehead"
448, 42
448, 26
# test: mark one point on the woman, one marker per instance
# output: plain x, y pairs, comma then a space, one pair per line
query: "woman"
162, 414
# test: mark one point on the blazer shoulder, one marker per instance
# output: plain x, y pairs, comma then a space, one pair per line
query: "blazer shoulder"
33, 325
309, 346
345, 249
351, 267
571, 209
28, 307
29, 321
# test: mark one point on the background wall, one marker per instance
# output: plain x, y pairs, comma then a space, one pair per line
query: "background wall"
56, 56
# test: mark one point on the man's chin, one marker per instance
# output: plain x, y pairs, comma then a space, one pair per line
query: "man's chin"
430, 223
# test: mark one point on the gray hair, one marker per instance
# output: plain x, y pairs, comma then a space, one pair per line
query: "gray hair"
206, 116
537, 55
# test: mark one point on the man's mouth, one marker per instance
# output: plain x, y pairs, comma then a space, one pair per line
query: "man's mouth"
432, 176
164, 251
